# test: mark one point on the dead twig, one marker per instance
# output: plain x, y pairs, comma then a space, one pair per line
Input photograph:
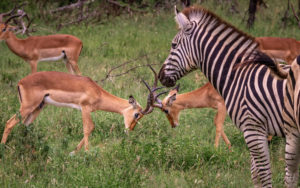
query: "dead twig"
297, 18
79, 19
123, 5
78, 4
144, 56
126, 72
21, 24
11, 12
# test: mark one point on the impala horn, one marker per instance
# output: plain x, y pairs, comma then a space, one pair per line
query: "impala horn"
152, 97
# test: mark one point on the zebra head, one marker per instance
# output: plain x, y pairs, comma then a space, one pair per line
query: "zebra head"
181, 59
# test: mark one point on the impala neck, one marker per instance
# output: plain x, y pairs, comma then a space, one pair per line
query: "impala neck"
112, 103
15, 44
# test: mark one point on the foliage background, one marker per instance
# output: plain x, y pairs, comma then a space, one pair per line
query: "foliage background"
153, 155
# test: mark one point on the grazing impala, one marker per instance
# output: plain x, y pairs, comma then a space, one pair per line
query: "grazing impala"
282, 49
66, 90
43, 48
204, 97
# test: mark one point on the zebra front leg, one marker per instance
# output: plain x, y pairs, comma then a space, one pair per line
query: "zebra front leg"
260, 157
292, 149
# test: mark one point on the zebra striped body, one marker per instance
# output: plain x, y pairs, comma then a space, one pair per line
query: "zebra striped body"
253, 97
292, 124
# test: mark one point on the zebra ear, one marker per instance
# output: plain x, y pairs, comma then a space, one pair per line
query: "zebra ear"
181, 19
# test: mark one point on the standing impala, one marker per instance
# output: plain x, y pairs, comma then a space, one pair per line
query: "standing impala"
282, 49
43, 48
204, 97
66, 90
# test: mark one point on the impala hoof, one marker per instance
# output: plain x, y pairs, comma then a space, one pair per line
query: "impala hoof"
126, 131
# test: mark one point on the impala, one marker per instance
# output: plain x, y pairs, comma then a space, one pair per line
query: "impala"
281, 49
35, 49
204, 97
66, 90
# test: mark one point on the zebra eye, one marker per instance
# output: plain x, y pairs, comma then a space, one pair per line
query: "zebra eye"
174, 45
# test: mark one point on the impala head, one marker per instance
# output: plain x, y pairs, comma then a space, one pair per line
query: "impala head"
132, 114
180, 60
170, 108
135, 112
5, 28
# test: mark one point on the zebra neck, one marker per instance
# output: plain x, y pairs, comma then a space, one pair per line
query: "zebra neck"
222, 54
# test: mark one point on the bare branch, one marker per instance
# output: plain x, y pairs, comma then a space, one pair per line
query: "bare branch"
78, 4
123, 5
79, 19
125, 63
127, 71
297, 18
9, 13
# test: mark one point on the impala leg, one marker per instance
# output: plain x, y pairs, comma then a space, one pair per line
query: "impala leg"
33, 66
69, 67
8, 127
74, 67
88, 127
28, 116
219, 129
292, 157
32, 116
259, 151
226, 139
219, 123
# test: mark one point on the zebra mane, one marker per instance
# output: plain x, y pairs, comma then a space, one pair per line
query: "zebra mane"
261, 58
197, 13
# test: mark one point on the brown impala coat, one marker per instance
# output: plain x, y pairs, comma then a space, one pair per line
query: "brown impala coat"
61, 89
204, 97
44, 48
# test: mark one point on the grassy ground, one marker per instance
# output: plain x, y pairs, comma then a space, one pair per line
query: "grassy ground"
153, 155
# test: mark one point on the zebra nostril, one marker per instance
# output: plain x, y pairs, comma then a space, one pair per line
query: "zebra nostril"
167, 81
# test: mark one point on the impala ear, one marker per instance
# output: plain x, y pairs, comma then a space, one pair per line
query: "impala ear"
132, 101
182, 21
171, 99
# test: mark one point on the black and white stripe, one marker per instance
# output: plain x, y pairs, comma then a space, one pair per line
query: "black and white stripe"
292, 125
229, 59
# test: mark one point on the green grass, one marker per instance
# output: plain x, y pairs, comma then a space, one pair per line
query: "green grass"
153, 155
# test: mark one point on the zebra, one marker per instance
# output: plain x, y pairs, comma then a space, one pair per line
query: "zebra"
292, 125
243, 76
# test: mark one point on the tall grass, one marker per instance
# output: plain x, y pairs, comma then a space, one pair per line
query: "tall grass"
153, 155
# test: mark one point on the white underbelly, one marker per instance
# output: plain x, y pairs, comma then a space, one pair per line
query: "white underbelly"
48, 100
53, 58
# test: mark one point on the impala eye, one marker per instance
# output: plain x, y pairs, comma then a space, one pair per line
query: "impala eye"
136, 115
166, 111
4, 29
